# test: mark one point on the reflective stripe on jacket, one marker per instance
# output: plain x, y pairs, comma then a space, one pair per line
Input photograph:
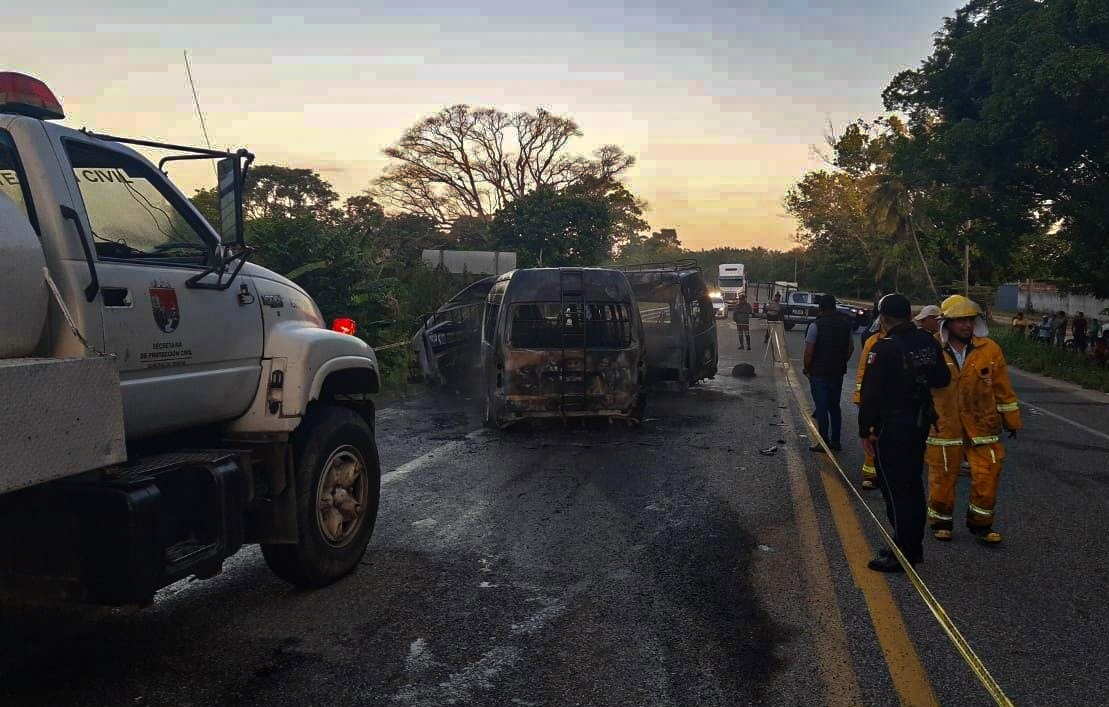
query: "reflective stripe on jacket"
979, 400
867, 346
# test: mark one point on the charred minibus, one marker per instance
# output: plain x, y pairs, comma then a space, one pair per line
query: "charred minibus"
679, 320
562, 342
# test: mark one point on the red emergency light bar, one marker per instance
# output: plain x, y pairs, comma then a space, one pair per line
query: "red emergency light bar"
344, 325
24, 95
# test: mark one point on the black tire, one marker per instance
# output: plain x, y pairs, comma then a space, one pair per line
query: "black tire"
327, 435
640, 410
489, 414
788, 326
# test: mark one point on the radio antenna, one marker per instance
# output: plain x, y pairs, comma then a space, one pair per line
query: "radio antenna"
196, 100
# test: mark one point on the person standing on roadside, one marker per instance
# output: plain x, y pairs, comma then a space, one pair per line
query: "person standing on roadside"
828, 348
972, 412
873, 335
1019, 324
1061, 329
1079, 329
773, 313
895, 415
1046, 329
742, 318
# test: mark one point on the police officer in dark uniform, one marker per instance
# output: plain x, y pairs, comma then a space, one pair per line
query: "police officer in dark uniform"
895, 414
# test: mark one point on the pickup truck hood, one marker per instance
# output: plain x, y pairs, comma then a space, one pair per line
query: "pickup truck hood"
296, 303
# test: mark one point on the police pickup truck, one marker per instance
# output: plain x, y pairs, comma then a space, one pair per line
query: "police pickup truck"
801, 308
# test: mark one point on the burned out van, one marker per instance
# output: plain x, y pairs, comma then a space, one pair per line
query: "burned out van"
562, 342
679, 320
446, 351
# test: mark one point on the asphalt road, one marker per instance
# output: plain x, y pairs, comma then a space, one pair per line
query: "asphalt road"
671, 564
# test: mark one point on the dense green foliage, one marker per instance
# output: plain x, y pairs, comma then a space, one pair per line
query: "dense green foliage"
1005, 148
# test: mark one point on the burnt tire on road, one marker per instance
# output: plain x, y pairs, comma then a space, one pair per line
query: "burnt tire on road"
338, 488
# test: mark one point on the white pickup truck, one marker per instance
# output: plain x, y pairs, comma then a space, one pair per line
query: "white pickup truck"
162, 400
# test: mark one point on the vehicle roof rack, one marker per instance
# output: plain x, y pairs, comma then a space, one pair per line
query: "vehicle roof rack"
669, 266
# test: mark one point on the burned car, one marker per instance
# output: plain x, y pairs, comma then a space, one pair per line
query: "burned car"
447, 348
562, 342
679, 320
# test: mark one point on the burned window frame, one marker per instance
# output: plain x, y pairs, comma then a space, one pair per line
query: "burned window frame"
583, 332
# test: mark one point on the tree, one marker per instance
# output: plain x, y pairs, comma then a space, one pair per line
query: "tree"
466, 161
660, 246
273, 191
625, 208
470, 232
552, 228
285, 192
1010, 112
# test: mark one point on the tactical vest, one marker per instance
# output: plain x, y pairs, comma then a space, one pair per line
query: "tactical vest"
829, 356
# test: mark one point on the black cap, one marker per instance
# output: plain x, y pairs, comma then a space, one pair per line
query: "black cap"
826, 302
896, 305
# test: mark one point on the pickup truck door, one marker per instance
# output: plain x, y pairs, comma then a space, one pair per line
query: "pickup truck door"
187, 356
799, 306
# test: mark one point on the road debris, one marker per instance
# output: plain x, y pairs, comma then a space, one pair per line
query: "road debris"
769, 451
743, 370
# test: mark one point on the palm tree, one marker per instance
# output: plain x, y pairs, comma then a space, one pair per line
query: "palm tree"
890, 208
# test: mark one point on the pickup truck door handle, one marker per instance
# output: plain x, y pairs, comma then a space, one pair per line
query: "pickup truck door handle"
116, 297
94, 285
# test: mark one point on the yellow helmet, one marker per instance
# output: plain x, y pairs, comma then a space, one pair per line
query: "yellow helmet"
957, 306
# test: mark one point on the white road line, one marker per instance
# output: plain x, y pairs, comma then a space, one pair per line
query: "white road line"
1072, 423
437, 453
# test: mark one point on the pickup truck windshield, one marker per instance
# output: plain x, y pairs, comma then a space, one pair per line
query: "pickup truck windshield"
132, 211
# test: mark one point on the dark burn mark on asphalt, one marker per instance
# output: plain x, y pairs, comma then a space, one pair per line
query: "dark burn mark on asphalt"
706, 575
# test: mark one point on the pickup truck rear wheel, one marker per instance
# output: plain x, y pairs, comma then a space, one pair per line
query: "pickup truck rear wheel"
788, 326
338, 487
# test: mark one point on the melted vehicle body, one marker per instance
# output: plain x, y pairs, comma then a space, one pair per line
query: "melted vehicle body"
562, 342
679, 320
447, 348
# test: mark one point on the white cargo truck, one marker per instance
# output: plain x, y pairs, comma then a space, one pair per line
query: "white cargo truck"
162, 401
731, 281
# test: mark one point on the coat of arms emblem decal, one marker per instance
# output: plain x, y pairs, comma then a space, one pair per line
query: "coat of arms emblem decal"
167, 315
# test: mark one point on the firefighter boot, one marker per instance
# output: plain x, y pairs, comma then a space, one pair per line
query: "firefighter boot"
870, 473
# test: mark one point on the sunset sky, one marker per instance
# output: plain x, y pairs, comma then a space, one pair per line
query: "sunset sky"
720, 102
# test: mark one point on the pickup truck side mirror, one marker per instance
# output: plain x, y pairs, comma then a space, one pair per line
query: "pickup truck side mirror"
230, 172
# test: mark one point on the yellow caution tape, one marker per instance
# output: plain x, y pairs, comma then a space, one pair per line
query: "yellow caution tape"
962, 646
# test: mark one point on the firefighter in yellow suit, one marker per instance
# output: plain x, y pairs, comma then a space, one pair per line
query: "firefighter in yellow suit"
972, 411
870, 472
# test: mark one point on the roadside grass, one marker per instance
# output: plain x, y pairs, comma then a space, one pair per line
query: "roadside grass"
1035, 357
394, 375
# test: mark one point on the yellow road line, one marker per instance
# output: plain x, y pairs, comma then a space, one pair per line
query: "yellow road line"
833, 659
910, 680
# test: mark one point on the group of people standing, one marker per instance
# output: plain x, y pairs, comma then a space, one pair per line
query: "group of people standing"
1086, 334
932, 389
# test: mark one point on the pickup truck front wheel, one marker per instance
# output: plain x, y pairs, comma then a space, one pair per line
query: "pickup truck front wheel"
338, 487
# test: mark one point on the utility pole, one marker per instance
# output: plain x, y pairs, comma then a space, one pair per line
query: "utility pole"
966, 259
966, 269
